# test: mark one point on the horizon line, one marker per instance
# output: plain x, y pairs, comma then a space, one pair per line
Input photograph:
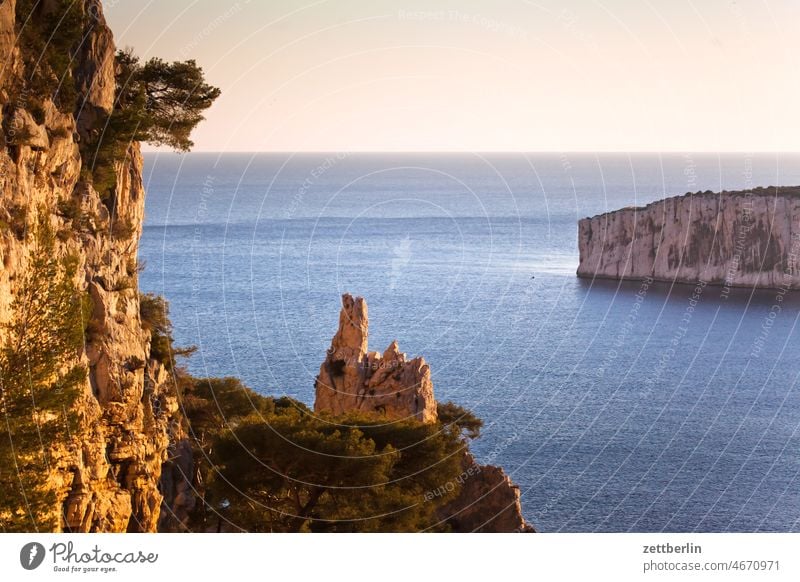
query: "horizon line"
479, 152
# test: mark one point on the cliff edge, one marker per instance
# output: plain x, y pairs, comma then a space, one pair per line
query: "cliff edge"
734, 239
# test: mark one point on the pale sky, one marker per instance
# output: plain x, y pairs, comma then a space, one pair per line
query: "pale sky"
484, 75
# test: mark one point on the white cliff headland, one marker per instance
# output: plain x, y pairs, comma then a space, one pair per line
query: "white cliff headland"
732, 239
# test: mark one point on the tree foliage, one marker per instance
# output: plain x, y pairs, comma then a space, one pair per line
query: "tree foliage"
460, 419
214, 404
156, 102
49, 34
39, 382
274, 473
161, 102
274, 465
154, 314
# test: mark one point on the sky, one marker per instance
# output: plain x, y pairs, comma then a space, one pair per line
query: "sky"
483, 75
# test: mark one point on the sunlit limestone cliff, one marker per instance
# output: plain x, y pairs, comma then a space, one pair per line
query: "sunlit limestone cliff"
106, 477
733, 239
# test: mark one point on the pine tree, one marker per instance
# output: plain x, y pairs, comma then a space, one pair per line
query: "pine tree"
284, 468
39, 383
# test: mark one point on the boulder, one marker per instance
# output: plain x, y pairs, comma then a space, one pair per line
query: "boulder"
24, 131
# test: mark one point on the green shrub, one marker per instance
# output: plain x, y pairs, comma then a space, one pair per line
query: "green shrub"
295, 470
154, 314
210, 405
122, 229
123, 283
460, 419
135, 266
69, 209
160, 102
17, 221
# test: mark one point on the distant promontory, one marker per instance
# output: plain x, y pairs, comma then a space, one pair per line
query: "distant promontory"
732, 239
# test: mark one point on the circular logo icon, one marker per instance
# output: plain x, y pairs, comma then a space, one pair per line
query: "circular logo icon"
31, 555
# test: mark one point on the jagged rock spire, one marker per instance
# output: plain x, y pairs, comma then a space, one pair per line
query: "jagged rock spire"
352, 378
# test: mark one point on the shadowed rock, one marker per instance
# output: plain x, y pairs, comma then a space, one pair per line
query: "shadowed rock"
489, 502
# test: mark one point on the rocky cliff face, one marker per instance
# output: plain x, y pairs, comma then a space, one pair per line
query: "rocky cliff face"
108, 480
735, 239
353, 379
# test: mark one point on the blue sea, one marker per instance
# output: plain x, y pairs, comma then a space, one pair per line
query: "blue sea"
615, 408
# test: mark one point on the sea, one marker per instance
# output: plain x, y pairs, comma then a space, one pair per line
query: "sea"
614, 406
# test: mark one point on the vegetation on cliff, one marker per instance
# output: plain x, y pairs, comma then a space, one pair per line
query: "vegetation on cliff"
157, 102
274, 465
154, 313
162, 102
49, 35
39, 383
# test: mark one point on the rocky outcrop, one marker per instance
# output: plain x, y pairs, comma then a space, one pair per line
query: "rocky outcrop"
735, 239
353, 379
489, 502
94, 77
108, 479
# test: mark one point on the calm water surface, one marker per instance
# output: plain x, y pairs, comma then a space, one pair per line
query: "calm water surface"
610, 411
